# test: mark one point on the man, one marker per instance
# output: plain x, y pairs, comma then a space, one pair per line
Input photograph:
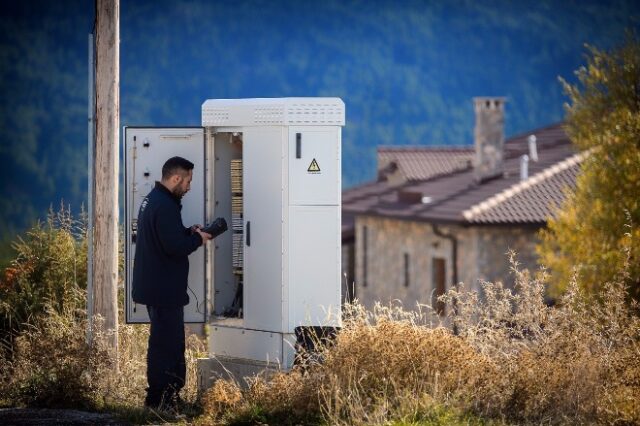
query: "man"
160, 274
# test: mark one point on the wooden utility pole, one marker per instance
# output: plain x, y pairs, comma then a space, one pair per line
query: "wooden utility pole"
105, 166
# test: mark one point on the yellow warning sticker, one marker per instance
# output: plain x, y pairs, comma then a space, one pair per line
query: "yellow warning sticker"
313, 167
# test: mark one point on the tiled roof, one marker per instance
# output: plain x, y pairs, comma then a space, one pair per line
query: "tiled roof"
532, 200
446, 197
415, 164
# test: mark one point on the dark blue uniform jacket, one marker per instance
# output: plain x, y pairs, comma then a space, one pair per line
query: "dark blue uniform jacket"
163, 244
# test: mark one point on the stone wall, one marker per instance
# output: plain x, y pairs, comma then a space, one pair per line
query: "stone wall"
387, 242
494, 244
481, 256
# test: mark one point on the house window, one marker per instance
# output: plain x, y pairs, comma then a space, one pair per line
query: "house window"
406, 269
364, 255
351, 269
439, 287
348, 268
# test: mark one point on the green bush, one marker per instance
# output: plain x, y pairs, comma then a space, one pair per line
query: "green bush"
50, 264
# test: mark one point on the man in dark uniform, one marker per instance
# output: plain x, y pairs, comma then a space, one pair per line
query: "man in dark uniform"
160, 274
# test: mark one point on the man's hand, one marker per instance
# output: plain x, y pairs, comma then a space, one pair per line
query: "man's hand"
194, 228
205, 237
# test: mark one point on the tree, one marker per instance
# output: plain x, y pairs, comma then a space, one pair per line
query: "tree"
597, 230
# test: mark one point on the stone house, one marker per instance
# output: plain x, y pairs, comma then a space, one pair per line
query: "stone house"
437, 216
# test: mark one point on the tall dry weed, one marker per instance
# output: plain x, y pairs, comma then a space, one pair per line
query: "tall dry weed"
382, 366
51, 365
514, 359
44, 355
573, 362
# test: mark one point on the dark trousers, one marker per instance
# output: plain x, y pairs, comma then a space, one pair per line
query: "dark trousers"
166, 369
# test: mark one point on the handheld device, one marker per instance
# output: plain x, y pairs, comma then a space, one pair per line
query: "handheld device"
216, 227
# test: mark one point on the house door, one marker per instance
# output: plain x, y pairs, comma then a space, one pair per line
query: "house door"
439, 284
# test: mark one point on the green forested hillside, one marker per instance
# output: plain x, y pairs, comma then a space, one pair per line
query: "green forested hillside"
407, 71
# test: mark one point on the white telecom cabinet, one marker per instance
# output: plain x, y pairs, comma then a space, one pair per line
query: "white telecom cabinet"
272, 169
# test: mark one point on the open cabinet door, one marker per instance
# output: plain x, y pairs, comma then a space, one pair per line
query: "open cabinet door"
146, 150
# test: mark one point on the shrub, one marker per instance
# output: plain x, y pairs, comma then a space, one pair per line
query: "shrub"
51, 365
50, 265
46, 360
514, 359
573, 363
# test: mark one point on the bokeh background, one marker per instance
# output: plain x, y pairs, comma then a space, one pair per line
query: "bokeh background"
406, 70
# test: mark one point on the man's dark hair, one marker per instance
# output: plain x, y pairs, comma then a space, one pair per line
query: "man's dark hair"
174, 166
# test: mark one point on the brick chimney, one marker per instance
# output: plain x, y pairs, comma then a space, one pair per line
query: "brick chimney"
489, 137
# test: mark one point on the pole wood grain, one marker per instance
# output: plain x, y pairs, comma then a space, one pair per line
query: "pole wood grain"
105, 231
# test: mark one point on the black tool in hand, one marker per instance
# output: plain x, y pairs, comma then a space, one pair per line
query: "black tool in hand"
216, 227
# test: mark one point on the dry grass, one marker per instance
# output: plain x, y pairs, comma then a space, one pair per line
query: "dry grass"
51, 365
45, 358
515, 360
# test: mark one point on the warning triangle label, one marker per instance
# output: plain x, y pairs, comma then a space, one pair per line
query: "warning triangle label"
313, 167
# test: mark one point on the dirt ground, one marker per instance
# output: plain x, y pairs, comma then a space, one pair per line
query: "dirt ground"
43, 416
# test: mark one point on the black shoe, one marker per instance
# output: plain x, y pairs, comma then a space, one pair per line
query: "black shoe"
166, 405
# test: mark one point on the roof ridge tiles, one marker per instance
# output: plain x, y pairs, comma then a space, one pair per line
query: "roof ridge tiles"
517, 188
